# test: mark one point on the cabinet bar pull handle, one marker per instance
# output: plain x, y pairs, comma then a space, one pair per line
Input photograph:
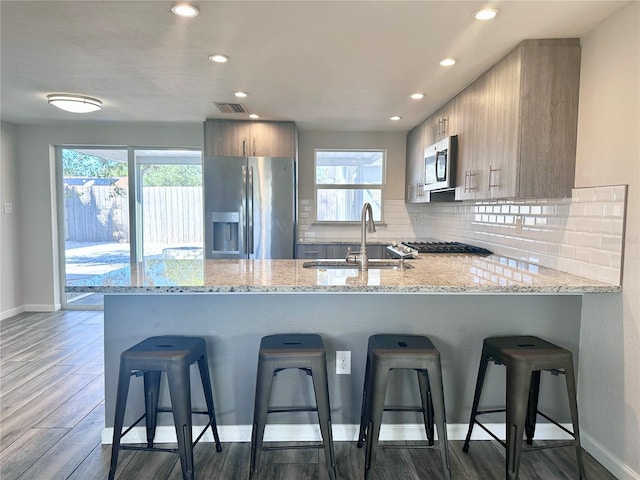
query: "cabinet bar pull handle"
491, 170
471, 175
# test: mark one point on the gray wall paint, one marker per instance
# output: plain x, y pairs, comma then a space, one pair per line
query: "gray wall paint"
393, 142
37, 194
235, 323
11, 272
609, 153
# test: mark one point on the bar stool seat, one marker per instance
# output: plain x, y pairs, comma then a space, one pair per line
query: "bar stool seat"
173, 355
524, 357
280, 352
414, 352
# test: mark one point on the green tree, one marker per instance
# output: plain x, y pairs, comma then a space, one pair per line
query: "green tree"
173, 176
78, 164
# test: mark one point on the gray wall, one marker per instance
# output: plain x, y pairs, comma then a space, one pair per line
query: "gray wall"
455, 323
393, 142
608, 153
11, 272
36, 201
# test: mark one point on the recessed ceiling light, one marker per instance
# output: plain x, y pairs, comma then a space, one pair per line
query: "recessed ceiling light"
485, 14
254, 116
185, 10
218, 58
417, 96
240, 94
447, 62
74, 103
395, 118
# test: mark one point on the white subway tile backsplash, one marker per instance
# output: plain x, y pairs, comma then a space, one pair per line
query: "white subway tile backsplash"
594, 209
584, 195
582, 235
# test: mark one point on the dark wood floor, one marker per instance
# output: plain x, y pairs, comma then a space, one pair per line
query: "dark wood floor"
52, 410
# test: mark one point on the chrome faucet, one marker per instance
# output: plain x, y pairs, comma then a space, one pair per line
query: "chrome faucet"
366, 222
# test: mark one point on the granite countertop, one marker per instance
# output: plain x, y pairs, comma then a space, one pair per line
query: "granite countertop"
432, 273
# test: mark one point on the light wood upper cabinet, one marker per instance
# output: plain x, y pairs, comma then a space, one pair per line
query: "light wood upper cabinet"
427, 133
517, 124
239, 138
414, 175
501, 179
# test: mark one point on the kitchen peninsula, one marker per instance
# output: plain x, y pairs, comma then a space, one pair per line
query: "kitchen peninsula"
233, 303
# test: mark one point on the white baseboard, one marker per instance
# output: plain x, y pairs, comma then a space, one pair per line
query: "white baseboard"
43, 308
341, 433
12, 312
617, 467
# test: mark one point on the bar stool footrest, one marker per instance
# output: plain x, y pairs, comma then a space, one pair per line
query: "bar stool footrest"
403, 408
292, 409
293, 447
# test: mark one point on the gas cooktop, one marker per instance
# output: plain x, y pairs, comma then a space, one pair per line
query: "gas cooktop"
406, 249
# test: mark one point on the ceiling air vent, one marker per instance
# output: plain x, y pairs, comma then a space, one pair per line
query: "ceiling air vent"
231, 107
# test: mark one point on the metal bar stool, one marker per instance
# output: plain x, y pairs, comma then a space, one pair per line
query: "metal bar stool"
279, 352
525, 357
390, 352
174, 355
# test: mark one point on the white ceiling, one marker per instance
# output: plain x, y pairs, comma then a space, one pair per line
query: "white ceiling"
327, 65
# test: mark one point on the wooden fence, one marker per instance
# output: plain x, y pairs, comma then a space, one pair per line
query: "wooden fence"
171, 215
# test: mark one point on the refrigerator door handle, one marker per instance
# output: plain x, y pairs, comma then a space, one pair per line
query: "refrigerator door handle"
245, 242
250, 212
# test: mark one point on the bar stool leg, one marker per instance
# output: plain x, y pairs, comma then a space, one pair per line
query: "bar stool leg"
380, 377
121, 404
518, 384
427, 403
532, 406
573, 407
180, 392
151, 393
208, 395
321, 388
437, 395
263, 394
364, 420
482, 371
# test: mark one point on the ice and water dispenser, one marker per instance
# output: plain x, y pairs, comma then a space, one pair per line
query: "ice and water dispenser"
227, 237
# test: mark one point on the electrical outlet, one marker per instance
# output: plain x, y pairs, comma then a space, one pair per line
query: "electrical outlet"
343, 363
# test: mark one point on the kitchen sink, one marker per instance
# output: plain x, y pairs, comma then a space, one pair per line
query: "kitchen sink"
373, 264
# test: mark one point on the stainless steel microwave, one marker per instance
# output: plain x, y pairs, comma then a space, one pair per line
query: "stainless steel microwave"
440, 164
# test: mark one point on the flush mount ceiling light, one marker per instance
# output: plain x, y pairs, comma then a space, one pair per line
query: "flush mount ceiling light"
74, 103
447, 62
254, 116
185, 10
240, 94
485, 14
395, 118
218, 58
417, 96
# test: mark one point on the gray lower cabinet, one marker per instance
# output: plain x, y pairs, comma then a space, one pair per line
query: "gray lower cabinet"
311, 250
337, 250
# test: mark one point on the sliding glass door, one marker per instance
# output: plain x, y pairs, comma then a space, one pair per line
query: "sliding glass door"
169, 199
95, 191
124, 205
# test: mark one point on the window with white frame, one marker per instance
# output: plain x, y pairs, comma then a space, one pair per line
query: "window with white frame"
347, 179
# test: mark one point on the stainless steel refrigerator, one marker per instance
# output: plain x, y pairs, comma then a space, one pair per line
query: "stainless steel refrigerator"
250, 207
